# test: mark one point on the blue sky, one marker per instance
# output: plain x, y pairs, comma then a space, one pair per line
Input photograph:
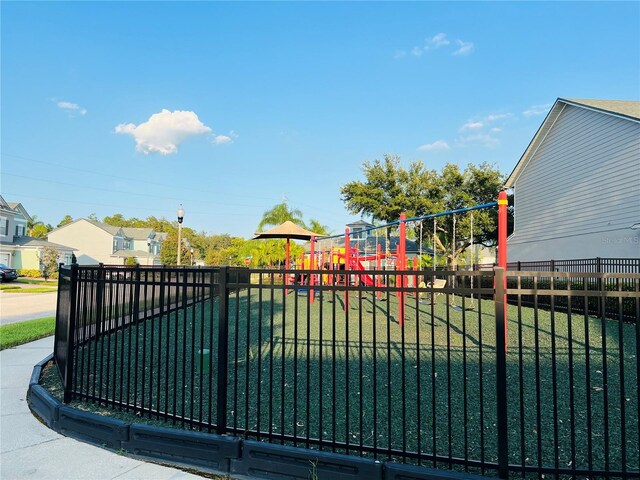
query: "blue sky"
135, 108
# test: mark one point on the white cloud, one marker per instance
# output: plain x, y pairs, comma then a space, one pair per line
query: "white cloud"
437, 145
464, 48
480, 138
437, 41
537, 110
220, 139
72, 109
498, 116
496, 129
164, 131
472, 126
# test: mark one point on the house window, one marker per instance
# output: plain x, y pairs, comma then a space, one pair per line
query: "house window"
115, 245
19, 230
4, 226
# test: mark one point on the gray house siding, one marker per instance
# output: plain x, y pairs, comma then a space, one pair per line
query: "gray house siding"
580, 192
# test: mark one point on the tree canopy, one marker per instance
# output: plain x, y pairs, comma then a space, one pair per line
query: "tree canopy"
389, 190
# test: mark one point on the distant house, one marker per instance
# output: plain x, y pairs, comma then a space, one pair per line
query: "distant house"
17, 249
359, 230
96, 242
577, 185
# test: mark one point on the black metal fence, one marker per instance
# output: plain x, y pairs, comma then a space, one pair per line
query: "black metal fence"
580, 265
393, 365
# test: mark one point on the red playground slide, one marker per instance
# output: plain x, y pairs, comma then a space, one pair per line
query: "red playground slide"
366, 279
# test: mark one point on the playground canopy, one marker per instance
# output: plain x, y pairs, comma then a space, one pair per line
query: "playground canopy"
287, 230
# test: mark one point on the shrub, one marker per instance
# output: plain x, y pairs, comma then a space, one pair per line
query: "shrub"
131, 262
30, 273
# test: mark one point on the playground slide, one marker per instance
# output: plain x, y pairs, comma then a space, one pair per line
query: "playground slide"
366, 279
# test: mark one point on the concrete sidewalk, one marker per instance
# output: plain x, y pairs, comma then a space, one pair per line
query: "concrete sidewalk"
29, 449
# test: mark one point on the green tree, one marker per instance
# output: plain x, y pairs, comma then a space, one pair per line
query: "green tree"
169, 250
37, 229
48, 261
130, 262
279, 214
40, 230
66, 220
316, 227
390, 189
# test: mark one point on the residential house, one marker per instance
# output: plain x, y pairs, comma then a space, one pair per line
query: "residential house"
577, 186
96, 242
17, 249
359, 230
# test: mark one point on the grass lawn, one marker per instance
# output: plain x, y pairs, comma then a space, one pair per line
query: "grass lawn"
321, 372
18, 289
9, 287
35, 281
15, 334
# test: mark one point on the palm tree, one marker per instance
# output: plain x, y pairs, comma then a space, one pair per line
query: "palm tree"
279, 214
316, 227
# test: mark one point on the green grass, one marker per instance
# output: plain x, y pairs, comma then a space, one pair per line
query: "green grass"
51, 283
15, 334
9, 287
308, 370
30, 290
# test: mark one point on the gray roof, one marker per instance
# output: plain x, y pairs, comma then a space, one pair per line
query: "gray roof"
137, 233
369, 245
104, 226
629, 110
26, 241
360, 224
5, 206
19, 208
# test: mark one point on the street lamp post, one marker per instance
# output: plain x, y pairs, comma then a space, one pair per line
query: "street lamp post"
180, 217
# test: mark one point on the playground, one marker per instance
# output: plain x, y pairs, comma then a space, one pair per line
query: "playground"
383, 363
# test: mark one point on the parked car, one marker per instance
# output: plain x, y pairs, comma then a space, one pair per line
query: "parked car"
7, 274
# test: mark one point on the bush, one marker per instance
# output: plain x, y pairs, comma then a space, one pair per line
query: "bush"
131, 262
30, 273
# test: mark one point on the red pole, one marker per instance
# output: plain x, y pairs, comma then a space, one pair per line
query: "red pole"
403, 265
286, 266
347, 259
378, 282
502, 250
312, 266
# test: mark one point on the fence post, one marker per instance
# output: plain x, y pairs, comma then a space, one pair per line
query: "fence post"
501, 373
223, 353
136, 296
600, 289
70, 333
99, 297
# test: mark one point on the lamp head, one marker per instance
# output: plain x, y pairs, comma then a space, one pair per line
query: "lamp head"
180, 214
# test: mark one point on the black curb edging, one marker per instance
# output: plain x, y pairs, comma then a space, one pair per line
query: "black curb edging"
216, 453
264, 460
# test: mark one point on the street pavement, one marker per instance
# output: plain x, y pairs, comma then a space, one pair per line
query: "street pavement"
17, 307
30, 450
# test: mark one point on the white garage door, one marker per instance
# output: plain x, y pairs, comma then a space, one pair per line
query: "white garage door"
4, 258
